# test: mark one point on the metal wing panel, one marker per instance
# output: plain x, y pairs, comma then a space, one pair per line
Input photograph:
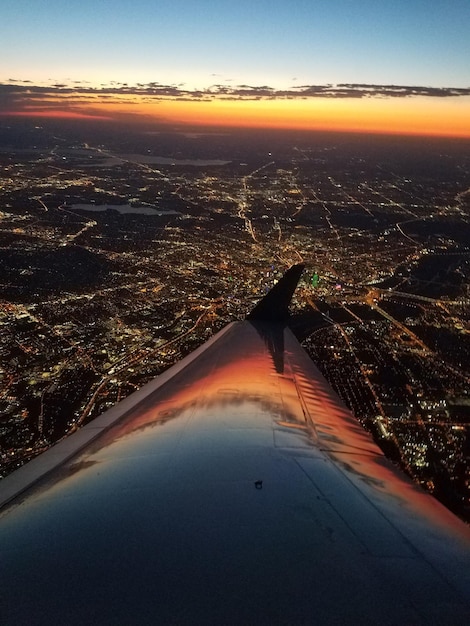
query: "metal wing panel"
162, 518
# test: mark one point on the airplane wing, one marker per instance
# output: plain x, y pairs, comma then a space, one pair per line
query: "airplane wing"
233, 489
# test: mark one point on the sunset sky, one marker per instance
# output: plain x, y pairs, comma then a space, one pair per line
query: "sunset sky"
361, 65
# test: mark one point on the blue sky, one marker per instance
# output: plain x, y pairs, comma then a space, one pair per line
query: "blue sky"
256, 42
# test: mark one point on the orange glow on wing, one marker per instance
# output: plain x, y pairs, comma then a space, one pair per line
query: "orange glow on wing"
246, 386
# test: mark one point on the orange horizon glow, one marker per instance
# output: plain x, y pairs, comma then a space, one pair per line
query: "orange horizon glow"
373, 115
55, 115
424, 116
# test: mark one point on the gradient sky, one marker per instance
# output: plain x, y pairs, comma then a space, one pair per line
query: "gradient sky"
285, 45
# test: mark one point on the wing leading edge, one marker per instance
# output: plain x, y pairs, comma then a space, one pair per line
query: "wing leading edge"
235, 488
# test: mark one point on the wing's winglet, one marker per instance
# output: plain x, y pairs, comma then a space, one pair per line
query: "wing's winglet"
274, 307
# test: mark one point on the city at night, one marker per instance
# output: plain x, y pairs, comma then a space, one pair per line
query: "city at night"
234, 313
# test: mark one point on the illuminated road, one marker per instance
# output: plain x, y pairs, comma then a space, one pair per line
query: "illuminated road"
351, 198
411, 296
389, 200
370, 301
242, 202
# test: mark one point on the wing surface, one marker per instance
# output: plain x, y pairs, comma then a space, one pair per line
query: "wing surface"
234, 489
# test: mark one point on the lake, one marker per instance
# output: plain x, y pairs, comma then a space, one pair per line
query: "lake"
123, 208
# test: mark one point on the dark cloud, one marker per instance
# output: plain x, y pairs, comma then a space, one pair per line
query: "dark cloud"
400, 91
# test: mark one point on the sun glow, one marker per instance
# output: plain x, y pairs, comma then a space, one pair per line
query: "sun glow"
356, 115
449, 116
417, 116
